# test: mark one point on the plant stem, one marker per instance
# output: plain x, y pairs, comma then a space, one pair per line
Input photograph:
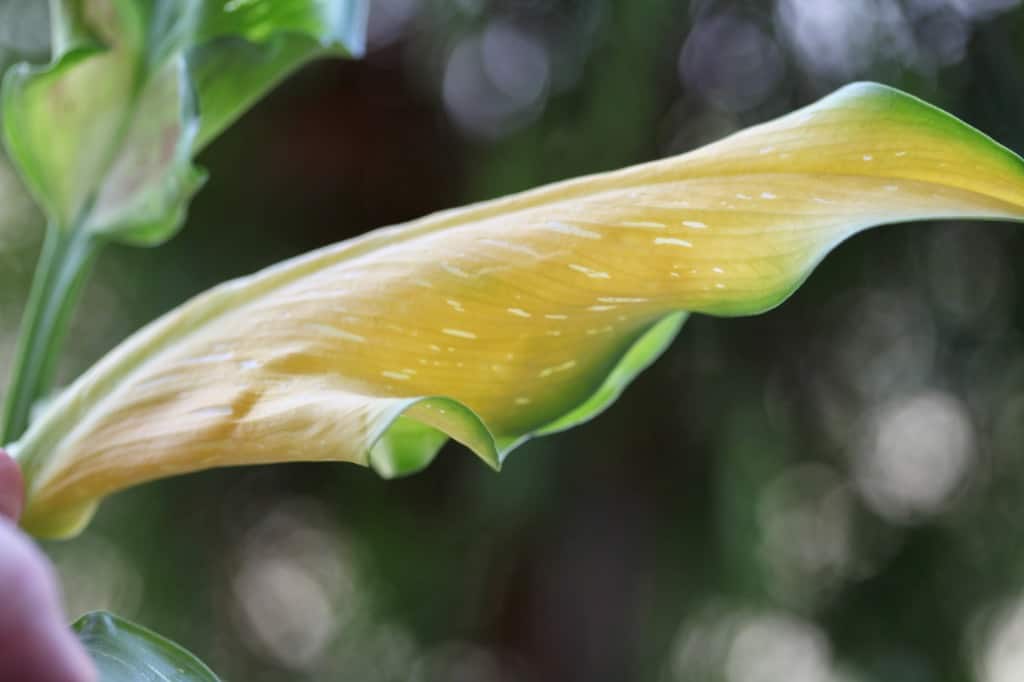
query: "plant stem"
63, 266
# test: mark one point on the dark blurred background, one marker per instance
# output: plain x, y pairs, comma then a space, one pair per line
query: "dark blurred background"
831, 492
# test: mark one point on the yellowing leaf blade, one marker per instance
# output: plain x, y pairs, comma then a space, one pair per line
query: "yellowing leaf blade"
506, 319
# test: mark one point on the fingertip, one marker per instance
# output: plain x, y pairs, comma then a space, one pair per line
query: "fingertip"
11, 487
35, 641
75, 664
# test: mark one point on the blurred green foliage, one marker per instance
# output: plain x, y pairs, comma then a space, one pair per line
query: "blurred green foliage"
830, 492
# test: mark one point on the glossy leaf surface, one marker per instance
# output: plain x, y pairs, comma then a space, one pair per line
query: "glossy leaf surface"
243, 49
126, 652
505, 319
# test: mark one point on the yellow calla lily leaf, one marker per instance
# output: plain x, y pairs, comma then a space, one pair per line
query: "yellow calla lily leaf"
505, 319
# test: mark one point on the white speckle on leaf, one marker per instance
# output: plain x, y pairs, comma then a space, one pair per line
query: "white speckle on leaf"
621, 299
334, 332
671, 205
455, 305
455, 270
565, 366
462, 334
695, 224
602, 308
589, 272
518, 312
516, 248
769, 195
572, 230
209, 359
672, 241
214, 411
556, 316
643, 224
397, 376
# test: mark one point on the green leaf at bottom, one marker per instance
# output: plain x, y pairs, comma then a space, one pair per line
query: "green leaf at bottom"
125, 651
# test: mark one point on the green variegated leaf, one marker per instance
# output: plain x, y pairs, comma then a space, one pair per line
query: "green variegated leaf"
60, 126
103, 136
506, 319
145, 194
